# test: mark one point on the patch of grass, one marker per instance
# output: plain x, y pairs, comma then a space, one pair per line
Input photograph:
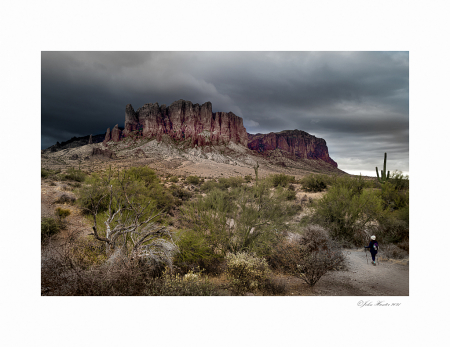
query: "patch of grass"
62, 213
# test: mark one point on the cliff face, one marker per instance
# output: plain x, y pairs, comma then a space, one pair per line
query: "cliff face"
297, 143
183, 120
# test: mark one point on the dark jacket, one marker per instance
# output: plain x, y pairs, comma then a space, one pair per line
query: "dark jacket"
370, 246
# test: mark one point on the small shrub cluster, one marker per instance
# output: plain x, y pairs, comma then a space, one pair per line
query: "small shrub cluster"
62, 213
74, 175
196, 253
173, 179
246, 272
180, 193
281, 180
248, 178
391, 251
49, 227
191, 284
308, 257
193, 180
314, 183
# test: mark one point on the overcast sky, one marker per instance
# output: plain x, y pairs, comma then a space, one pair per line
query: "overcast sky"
357, 101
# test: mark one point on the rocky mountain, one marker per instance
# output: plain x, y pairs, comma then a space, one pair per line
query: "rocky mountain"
196, 126
183, 120
75, 142
295, 144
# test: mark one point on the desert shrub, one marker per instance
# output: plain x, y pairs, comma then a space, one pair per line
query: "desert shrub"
75, 184
246, 272
196, 253
48, 173
391, 229
346, 214
404, 245
75, 175
142, 173
399, 181
62, 213
49, 227
391, 251
309, 256
230, 182
274, 286
193, 180
242, 219
355, 185
173, 179
393, 199
180, 193
191, 284
281, 180
209, 185
248, 178
65, 198
290, 195
314, 183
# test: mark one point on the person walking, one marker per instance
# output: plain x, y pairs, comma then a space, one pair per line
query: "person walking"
373, 248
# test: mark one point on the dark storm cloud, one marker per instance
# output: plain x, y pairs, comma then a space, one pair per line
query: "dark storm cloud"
357, 101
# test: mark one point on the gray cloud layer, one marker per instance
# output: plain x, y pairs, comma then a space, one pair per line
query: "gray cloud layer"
357, 101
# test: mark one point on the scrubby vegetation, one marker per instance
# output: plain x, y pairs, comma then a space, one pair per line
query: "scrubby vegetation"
151, 238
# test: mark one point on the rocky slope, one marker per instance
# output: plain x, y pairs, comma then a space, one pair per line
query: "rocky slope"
295, 144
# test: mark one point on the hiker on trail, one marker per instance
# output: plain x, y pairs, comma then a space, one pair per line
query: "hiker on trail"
373, 247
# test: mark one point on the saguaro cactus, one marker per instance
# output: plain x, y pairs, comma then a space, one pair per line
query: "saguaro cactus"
256, 171
384, 177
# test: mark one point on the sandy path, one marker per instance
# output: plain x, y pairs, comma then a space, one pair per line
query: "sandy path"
389, 278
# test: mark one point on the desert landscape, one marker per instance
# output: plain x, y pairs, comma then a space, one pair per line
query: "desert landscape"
183, 201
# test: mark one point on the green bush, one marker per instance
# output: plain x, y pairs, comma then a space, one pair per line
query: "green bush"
281, 180
48, 173
314, 183
209, 185
75, 175
62, 213
394, 199
180, 193
246, 272
347, 214
142, 173
225, 183
173, 179
195, 252
248, 178
49, 227
193, 180
242, 219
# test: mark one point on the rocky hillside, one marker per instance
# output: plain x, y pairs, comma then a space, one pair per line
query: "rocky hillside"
196, 126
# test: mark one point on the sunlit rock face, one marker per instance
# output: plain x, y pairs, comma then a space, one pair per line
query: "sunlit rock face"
184, 120
297, 143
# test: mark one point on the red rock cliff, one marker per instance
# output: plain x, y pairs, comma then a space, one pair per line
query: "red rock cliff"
182, 120
298, 143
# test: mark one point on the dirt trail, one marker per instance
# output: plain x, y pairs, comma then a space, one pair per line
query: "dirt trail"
389, 278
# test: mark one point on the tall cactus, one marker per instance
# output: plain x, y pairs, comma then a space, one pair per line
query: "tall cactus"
384, 177
256, 171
